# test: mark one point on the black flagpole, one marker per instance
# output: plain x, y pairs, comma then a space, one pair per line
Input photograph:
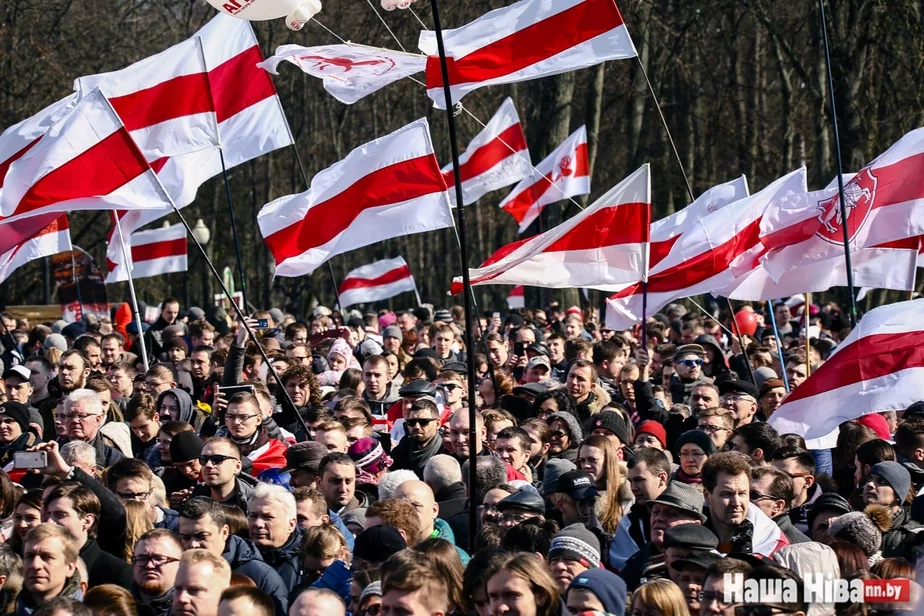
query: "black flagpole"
840, 168
466, 283
237, 246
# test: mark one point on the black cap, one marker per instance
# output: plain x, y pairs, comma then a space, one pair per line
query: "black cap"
697, 558
356, 322
17, 412
455, 366
612, 421
739, 387
527, 498
377, 544
577, 484
426, 352
185, 446
305, 455
417, 388
538, 347
533, 389
831, 501
690, 536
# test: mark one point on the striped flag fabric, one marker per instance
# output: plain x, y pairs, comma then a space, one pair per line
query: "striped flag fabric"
153, 253
375, 282
390, 187
878, 367
517, 297
87, 161
562, 174
707, 257
526, 40
604, 245
44, 240
497, 157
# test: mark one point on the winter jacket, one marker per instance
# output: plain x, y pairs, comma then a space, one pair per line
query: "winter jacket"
451, 499
898, 540
441, 530
407, 455
593, 404
112, 513
757, 534
167, 518
792, 533
234, 366
245, 558
271, 455
106, 454
644, 566
104, 568
25, 605
238, 498
159, 606
285, 559
380, 408
188, 411
799, 515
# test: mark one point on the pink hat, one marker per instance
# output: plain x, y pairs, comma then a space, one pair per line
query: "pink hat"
576, 311
878, 424
387, 319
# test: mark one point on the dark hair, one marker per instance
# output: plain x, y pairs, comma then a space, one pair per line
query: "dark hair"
84, 343
851, 436
851, 557
490, 472
606, 350
792, 440
803, 458
421, 366
562, 399
127, 468
475, 576
874, 452
140, 404
655, 459
42, 361
198, 507
891, 568
515, 432
83, 501
781, 488
425, 404
62, 604
532, 536
541, 427
728, 462
262, 603
9, 495
334, 458
909, 435
760, 435
351, 378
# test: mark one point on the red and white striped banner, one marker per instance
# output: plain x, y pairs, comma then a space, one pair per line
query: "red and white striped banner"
526, 40
603, 246
562, 174
48, 240
87, 161
153, 252
375, 282
496, 157
878, 367
250, 118
390, 187
517, 297
707, 253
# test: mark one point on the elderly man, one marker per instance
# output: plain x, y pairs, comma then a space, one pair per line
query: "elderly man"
154, 567
318, 602
49, 562
273, 525
222, 480
84, 415
740, 397
444, 476
200, 579
420, 495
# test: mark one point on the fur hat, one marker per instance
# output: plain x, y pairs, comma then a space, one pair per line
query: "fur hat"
864, 528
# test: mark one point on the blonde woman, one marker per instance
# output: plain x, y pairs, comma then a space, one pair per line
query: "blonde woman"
137, 522
658, 598
597, 456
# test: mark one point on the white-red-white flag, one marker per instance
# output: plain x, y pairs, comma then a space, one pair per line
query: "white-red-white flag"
250, 118
17, 139
153, 252
387, 188
604, 245
376, 281
496, 157
163, 100
562, 174
705, 254
48, 240
349, 72
885, 203
517, 297
526, 40
878, 367
87, 161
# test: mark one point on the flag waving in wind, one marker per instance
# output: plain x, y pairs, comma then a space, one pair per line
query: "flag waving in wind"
376, 281
562, 174
153, 252
387, 188
526, 40
604, 245
49, 239
496, 157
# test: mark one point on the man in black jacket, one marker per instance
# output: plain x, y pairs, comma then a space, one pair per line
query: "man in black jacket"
444, 476
422, 441
272, 521
222, 480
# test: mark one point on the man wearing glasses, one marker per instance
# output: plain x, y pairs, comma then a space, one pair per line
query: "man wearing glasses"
800, 465
423, 440
688, 370
222, 480
740, 397
772, 493
132, 480
154, 565
244, 421
718, 423
712, 596
84, 415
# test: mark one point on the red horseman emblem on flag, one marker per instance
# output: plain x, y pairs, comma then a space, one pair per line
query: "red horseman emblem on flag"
859, 196
337, 67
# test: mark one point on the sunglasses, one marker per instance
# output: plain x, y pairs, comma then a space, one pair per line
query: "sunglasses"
419, 421
216, 459
756, 496
451, 386
689, 363
558, 434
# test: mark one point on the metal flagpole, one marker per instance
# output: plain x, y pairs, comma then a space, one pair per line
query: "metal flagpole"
237, 246
840, 168
466, 282
131, 290
779, 347
805, 326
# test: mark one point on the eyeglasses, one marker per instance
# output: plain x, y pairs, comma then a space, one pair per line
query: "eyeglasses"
157, 560
216, 459
243, 418
517, 518
737, 398
689, 363
451, 386
711, 429
756, 496
79, 416
695, 455
136, 496
419, 421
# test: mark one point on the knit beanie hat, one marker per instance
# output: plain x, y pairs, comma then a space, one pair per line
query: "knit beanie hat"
608, 587
377, 543
896, 475
185, 446
372, 590
17, 412
578, 543
878, 424
698, 438
862, 528
654, 429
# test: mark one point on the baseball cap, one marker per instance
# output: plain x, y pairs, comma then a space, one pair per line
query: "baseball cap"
577, 484
18, 371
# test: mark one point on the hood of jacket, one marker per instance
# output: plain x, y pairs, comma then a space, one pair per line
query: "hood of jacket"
120, 435
391, 396
185, 403
239, 551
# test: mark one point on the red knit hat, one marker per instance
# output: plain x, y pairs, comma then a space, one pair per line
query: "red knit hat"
878, 424
654, 429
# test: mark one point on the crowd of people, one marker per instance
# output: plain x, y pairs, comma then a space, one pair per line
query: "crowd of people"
615, 472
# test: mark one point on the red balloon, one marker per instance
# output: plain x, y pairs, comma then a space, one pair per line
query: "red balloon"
746, 321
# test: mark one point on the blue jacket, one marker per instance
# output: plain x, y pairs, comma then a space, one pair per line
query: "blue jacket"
286, 561
441, 530
245, 558
170, 521
338, 523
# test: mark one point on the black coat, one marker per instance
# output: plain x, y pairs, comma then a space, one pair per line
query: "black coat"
286, 560
451, 499
245, 559
104, 568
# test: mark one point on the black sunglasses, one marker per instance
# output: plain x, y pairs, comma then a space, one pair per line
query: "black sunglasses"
418, 421
216, 459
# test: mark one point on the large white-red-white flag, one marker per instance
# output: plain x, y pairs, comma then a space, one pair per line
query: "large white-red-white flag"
885, 203
562, 174
375, 282
87, 161
387, 188
495, 158
878, 367
604, 245
152, 253
526, 40
250, 118
23, 241
702, 258
349, 72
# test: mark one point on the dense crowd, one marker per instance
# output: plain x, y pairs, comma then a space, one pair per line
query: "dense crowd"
615, 472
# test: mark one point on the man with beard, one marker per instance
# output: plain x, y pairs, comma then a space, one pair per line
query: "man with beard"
422, 441
112, 350
771, 396
688, 370
73, 370
155, 563
90, 348
244, 421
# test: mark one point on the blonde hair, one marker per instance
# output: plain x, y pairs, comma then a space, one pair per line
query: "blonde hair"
323, 541
137, 523
53, 531
662, 596
609, 507
220, 566
535, 573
